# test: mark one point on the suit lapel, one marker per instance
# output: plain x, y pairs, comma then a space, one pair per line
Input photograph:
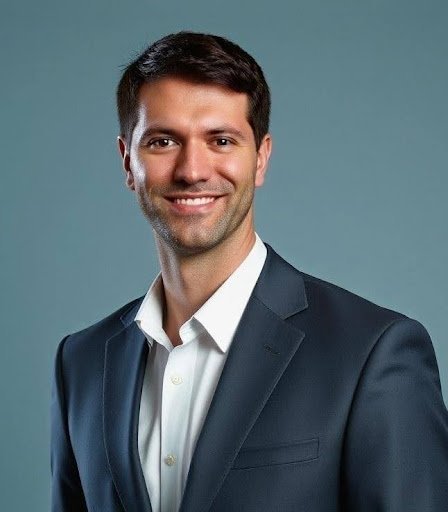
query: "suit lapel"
124, 369
261, 350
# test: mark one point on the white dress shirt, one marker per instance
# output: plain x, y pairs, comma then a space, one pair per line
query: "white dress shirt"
180, 381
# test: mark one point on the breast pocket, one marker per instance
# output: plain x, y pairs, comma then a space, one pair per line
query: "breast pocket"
285, 453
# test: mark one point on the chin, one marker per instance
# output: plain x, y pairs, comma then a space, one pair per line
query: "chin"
196, 243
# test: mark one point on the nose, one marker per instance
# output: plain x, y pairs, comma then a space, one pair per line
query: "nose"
193, 163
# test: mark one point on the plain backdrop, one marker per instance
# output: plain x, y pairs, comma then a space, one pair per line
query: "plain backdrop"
356, 192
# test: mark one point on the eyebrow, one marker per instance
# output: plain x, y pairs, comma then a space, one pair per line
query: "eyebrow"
219, 130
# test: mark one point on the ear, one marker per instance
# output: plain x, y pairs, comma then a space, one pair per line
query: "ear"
263, 154
126, 160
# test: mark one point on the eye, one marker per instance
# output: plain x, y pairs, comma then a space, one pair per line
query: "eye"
223, 141
161, 143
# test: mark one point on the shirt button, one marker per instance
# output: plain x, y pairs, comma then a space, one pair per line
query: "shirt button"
176, 379
170, 460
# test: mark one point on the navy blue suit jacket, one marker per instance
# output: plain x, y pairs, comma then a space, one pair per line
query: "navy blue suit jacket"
326, 403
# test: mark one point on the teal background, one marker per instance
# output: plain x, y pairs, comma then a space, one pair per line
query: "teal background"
356, 192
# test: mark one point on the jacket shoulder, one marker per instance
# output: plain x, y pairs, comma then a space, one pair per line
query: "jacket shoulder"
324, 300
324, 293
97, 334
344, 319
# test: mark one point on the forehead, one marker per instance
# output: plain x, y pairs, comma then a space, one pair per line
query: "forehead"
179, 101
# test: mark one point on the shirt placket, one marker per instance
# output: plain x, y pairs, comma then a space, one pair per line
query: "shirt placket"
176, 405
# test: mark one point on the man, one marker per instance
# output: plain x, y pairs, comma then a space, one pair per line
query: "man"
237, 383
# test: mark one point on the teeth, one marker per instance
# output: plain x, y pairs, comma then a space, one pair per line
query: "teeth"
195, 201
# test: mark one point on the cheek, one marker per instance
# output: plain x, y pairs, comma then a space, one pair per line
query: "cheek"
239, 169
154, 171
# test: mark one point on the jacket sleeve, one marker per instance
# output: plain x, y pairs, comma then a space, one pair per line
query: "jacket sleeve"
67, 494
396, 446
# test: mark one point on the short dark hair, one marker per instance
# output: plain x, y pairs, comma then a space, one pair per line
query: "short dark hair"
201, 58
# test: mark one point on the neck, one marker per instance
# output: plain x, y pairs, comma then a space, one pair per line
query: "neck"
189, 281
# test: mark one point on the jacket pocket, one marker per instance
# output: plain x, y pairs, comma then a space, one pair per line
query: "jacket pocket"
286, 453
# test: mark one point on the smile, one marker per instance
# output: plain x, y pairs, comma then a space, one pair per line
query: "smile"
194, 201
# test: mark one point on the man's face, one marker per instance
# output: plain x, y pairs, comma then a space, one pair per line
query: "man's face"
193, 163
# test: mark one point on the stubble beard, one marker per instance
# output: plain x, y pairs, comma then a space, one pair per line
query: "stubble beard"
201, 239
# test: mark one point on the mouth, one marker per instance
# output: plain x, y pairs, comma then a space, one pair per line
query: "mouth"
183, 204
193, 201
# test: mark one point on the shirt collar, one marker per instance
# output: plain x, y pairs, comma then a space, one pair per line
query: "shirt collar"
222, 312
149, 317
231, 298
